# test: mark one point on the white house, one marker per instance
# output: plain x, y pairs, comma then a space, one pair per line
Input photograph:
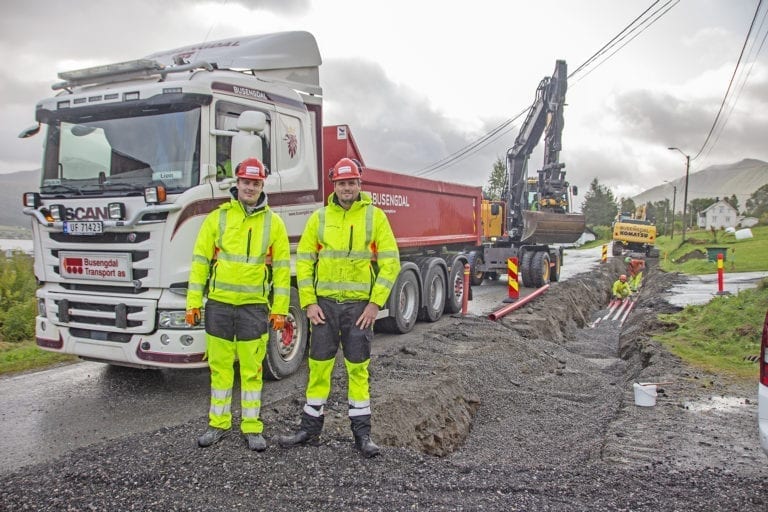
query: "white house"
719, 215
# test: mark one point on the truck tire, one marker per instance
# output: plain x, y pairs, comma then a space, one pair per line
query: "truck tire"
455, 296
433, 289
556, 262
286, 348
540, 269
404, 302
475, 276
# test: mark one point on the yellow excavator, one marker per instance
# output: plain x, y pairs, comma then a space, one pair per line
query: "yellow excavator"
533, 212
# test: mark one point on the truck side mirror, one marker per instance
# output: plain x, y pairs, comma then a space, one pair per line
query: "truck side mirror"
575, 190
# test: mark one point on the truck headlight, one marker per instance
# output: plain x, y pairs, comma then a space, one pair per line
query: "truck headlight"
174, 319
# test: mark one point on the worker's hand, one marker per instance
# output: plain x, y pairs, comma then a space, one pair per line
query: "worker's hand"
315, 314
193, 317
368, 316
277, 321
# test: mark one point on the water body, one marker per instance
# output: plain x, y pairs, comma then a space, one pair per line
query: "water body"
7, 244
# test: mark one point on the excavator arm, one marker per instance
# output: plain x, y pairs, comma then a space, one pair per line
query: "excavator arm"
547, 218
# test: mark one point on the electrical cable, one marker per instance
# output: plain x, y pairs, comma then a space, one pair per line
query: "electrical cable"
504, 127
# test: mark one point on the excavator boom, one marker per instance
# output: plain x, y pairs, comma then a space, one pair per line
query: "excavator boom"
539, 209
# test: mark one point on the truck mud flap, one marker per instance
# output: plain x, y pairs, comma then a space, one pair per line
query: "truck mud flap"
552, 228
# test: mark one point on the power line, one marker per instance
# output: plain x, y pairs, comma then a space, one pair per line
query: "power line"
504, 127
730, 83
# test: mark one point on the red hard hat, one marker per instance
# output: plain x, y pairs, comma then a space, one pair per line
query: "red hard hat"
346, 169
622, 277
251, 169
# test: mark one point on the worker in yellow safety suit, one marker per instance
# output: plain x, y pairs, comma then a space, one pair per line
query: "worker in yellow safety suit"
621, 289
241, 257
635, 269
347, 263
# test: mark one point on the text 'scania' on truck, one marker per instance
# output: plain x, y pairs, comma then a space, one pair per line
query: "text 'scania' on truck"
137, 153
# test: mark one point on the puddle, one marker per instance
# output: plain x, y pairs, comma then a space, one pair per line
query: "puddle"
718, 403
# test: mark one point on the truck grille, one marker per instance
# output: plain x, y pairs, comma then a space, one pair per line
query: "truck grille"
134, 316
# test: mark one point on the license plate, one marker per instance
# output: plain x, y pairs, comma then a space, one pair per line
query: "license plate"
84, 228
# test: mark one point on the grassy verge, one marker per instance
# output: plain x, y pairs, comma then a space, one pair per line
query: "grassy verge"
19, 357
722, 336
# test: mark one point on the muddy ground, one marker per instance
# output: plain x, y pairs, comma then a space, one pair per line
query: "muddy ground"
532, 412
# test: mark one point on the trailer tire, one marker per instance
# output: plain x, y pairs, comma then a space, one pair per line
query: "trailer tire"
540, 269
404, 302
455, 295
476, 276
433, 289
286, 349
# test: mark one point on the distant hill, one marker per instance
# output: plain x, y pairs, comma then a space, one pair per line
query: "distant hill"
717, 181
12, 187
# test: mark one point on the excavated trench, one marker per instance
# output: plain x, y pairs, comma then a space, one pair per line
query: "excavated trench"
430, 391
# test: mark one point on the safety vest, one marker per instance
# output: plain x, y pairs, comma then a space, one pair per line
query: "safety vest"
242, 258
347, 255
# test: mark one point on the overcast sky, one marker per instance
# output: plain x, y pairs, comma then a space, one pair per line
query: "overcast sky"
419, 80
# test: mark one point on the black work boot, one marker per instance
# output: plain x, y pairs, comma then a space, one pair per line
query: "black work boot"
308, 433
299, 438
256, 442
211, 436
367, 447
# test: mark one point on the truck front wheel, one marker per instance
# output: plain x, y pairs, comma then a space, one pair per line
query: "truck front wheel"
286, 348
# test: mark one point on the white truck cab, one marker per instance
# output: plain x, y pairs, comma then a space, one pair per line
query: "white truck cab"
135, 155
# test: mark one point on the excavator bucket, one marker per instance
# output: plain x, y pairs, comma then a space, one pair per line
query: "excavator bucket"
552, 228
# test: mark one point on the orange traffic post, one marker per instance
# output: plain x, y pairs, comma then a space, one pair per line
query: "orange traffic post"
604, 257
514, 285
465, 295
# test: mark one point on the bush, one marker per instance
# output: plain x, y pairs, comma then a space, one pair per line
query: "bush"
17, 297
19, 322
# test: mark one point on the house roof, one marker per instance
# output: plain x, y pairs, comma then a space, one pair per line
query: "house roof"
721, 202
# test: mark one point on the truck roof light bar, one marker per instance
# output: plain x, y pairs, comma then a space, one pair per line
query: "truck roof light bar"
140, 68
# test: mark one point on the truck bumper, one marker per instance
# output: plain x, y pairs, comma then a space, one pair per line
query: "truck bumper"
170, 348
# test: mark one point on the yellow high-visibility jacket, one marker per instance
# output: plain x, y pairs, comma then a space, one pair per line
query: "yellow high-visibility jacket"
233, 254
347, 255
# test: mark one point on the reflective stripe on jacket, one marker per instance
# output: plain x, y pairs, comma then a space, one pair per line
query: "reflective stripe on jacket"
233, 253
347, 255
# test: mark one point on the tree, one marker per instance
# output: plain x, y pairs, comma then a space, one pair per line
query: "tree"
627, 205
497, 181
757, 204
733, 201
599, 206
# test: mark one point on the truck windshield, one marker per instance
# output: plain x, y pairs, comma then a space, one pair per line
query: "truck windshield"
120, 152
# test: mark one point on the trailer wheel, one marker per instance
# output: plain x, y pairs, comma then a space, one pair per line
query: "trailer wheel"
556, 262
403, 302
434, 289
525, 271
476, 276
286, 348
456, 289
540, 269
